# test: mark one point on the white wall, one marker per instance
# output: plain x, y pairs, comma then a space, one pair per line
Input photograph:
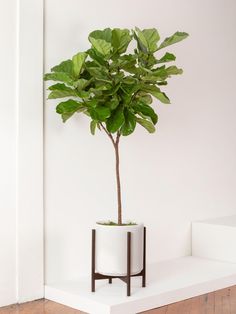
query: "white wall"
185, 171
21, 157
8, 153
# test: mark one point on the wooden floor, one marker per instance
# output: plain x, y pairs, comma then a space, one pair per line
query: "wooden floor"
219, 302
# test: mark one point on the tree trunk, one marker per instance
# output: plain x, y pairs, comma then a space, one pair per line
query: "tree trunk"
118, 181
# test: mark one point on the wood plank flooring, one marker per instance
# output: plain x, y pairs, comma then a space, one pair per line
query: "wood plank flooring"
218, 302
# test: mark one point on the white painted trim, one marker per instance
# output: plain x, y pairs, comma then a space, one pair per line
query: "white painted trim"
30, 228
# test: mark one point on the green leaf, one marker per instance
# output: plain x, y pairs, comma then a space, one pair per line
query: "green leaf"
105, 34
144, 97
96, 57
113, 103
64, 66
99, 73
178, 36
129, 124
155, 91
78, 61
148, 38
60, 91
173, 70
120, 39
80, 84
68, 106
168, 57
102, 46
60, 77
146, 110
130, 80
99, 113
93, 125
116, 120
146, 124
66, 116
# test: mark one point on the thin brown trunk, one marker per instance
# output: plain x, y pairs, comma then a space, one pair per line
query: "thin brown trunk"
115, 143
118, 180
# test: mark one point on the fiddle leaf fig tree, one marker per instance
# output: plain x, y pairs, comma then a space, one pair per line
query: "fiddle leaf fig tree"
113, 87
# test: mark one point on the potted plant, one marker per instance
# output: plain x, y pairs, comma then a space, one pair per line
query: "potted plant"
115, 89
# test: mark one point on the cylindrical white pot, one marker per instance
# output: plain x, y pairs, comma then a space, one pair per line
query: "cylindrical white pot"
111, 249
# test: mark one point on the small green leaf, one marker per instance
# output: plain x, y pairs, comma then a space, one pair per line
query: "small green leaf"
178, 36
69, 106
144, 97
146, 110
173, 70
60, 91
80, 84
146, 124
66, 116
120, 39
60, 77
64, 66
99, 113
129, 124
99, 73
116, 120
155, 91
78, 61
93, 125
113, 103
102, 46
168, 57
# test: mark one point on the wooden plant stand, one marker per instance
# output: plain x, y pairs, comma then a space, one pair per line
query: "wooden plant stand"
127, 278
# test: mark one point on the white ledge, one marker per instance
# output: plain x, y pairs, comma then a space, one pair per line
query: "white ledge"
215, 239
167, 282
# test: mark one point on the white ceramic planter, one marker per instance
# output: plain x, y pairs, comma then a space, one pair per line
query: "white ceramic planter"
111, 249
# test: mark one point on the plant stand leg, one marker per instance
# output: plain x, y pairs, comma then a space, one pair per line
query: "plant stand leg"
93, 260
128, 262
144, 258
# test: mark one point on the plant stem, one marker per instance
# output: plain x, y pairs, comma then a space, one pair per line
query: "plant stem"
115, 143
118, 179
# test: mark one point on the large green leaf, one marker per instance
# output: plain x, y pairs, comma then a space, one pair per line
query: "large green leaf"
168, 57
64, 66
80, 84
178, 36
116, 120
148, 38
78, 61
99, 73
145, 110
155, 91
99, 113
59, 77
61, 90
102, 46
120, 39
129, 123
146, 124
98, 58
105, 34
